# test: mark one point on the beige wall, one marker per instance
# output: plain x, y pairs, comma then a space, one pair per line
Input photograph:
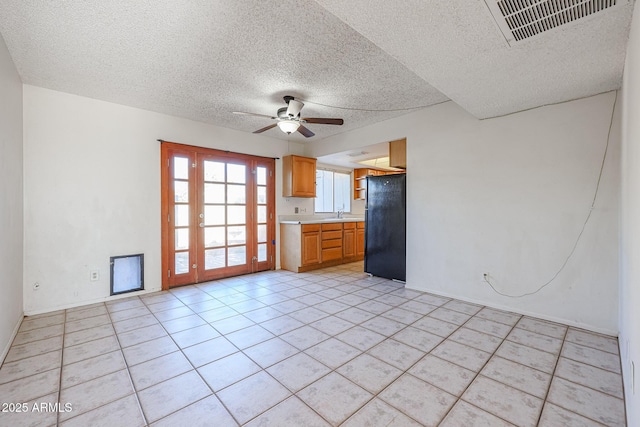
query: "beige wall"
509, 196
11, 196
630, 227
92, 190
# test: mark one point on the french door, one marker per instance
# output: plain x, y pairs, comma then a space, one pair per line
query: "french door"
217, 214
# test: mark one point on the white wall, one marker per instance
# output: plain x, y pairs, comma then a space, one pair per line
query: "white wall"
92, 190
508, 196
11, 244
630, 226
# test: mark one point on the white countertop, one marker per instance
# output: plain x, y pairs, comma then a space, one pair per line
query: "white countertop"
321, 220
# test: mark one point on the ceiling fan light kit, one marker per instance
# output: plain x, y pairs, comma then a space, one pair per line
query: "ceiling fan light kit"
288, 126
289, 120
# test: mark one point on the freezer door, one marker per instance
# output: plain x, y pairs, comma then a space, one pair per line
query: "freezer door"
385, 226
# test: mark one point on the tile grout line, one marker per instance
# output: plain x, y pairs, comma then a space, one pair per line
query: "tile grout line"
406, 371
126, 364
331, 370
250, 295
64, 329
478, 373
553, 375
181, 350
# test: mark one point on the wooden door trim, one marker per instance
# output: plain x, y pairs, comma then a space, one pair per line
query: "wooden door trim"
168, 148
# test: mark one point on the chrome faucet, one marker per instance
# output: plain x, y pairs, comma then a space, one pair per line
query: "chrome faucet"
340, 213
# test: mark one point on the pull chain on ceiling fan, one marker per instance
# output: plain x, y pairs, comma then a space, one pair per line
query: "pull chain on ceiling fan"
289, 120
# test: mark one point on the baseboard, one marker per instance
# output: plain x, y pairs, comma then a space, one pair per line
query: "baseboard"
7, 347
89, 302
603, 331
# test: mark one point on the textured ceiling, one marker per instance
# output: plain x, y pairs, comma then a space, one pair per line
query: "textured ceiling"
204, 59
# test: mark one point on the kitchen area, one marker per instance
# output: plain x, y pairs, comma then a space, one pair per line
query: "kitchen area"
369, 226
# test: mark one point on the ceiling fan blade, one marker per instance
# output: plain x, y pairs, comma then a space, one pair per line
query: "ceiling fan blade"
322, 121
253, 114
306, 132
265, 128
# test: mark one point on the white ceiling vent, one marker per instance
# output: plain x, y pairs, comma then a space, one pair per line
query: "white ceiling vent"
522, 19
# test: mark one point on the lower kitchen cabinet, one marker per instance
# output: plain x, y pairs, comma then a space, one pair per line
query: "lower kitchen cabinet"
310, 244
360, 240
349, 240
305, 247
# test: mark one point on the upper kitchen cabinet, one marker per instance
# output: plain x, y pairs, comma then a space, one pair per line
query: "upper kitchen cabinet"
298, 176
398, 153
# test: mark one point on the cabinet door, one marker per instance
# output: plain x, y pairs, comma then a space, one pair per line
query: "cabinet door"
398, 153
304, 177
349, 243
310, 248
360, 242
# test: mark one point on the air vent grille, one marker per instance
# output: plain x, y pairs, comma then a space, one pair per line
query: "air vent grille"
521, 19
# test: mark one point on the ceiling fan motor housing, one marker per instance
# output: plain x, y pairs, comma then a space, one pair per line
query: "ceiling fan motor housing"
282, 113
293, 106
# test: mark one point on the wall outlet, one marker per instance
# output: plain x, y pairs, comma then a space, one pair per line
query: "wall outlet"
94, 275
297, 209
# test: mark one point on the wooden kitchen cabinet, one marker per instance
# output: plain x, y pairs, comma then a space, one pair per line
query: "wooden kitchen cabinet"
305, 247
310, 244
331, 242
398, 153
298, 176
360, 239
300, 247
349, 240
360, 181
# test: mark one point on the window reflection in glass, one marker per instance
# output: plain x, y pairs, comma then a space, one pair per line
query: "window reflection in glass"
236, 235
213, 171
237, 194
236, 173
180, 168
237, 255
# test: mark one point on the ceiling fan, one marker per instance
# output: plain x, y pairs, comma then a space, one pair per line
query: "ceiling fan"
289, 120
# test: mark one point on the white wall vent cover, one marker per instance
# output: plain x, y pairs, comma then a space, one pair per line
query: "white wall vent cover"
522, 19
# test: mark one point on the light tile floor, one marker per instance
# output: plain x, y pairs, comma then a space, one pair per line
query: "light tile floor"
331, 347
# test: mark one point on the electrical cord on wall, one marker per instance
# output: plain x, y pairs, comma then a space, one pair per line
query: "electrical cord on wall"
593, 203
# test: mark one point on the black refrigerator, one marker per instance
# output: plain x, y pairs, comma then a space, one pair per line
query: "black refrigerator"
385, 226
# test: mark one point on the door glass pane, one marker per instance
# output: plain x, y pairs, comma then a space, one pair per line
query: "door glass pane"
213, 171
181, 190
236, 215
214, 193
182, 262
214, 215
214, 258
236, 235
180, 168
236, 194
182, 238
236, 173
262, 195
262, 252
238, 255
262, 233
261, 176
182, 215
214, 236
262, 214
